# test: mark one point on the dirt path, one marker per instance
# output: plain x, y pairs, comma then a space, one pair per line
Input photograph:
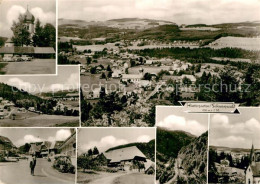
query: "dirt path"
108, 179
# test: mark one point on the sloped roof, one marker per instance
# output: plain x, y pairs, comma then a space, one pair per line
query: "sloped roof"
27, 50
256, 169
128, 153
56, 144
28, 16
35, 148
7, 50
44, 50
47, 144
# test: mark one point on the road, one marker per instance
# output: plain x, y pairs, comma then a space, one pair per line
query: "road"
19, 172
107, 179
36, 66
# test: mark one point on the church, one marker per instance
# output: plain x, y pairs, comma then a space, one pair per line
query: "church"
253, 170
9, 49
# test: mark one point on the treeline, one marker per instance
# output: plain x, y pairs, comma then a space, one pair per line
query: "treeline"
197, 55
44, 36
21, 98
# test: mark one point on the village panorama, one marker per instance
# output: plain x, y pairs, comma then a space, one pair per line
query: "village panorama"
129, 65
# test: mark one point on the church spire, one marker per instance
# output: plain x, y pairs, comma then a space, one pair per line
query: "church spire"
252, 155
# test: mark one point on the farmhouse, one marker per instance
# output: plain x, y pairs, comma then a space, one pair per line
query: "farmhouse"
125, 158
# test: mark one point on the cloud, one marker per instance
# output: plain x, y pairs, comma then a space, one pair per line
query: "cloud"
180, 123
45, 17
13, 13
235, 133
62, 134
20, 84
28, 139
103, 144
144, 138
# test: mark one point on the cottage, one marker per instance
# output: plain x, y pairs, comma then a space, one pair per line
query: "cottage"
68, 147
125, 158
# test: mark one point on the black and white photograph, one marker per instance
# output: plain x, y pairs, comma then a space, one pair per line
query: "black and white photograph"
136, 54
181, 146
37, 155
234, 147
41, 101
27, 37
116, 155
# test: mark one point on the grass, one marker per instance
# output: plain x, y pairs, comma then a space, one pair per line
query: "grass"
68, 124
2, 65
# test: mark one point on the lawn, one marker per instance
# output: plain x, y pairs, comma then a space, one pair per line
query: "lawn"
2, 65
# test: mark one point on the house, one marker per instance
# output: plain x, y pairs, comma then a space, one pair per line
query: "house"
135, 78
68, 147
35, 149
9, 43
125, 158
253, 170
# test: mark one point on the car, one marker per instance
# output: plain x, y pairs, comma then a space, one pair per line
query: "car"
17, 58
26, 58
8, 58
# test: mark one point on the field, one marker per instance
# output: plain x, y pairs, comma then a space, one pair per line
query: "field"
36, 66
40, 121
237, 42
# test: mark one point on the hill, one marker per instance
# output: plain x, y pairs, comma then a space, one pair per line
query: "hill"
19, 97
192, 160
6, 143
148, 149
169, 143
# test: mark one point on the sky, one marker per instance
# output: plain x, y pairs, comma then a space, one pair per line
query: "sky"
45, 10
20, 136
178, 11
236, 131
105, 138
174, 118
67, 79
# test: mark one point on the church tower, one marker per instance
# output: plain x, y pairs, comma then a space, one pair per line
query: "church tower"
252, 156
29, 21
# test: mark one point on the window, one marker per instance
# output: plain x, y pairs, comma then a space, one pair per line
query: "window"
248, 181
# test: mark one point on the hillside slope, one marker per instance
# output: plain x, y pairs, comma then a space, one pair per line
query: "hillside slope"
192, 160
169, 143
6, 143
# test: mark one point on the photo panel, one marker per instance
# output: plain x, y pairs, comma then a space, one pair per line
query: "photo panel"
234, 147
28, 37
116, 155
181, 146
38, 155
41, 101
